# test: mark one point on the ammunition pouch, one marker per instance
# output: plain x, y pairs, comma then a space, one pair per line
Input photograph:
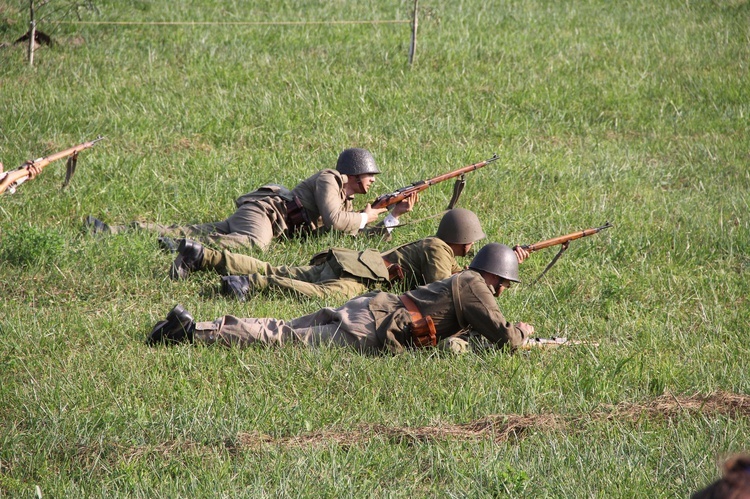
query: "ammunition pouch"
422, 328
297, 218
395, 271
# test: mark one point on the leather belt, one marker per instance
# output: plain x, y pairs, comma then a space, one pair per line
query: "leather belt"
422, 328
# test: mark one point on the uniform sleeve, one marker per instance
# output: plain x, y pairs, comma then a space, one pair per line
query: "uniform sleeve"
332, 206
439, 264
481, 312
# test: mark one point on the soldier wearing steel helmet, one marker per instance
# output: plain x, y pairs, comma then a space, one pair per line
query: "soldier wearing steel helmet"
734, 484
378, 321
321, 202
342, 272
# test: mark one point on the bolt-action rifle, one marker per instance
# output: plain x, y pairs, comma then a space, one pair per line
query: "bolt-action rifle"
11, 180
471, 341
564, 241
399, 195
553, 342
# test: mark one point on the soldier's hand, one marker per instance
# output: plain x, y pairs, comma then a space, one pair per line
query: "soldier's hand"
521, 253
373, 213
526, 329
406, 205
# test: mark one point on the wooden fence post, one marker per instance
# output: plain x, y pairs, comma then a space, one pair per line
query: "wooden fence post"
413, 47
32, 33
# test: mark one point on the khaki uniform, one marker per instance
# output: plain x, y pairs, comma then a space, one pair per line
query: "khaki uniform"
377, 321
262, 215
344, 272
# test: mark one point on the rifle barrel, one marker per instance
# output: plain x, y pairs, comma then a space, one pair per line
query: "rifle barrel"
22, 173
461, 171
42, 162
564, 239
394, 197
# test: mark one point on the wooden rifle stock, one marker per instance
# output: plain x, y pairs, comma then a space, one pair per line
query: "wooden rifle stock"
394, 197
12, 179
564, 239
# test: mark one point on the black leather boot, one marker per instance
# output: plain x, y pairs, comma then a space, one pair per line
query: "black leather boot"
235, 285
95, 225
178, 327
189, 258
167, 244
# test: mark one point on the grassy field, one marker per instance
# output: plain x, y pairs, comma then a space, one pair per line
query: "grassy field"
633, 112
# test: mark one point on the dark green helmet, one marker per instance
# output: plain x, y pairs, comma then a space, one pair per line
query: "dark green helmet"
497, 259
460, 226
356, 161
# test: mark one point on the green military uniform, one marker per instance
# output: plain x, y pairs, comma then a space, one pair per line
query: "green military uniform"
263, 215
424, 261
377, 321
342, 272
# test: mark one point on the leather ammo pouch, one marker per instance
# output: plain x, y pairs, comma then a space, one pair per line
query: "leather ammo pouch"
422, 328
296, 217
395, 272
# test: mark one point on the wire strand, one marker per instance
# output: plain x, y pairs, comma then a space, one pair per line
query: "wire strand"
230, 23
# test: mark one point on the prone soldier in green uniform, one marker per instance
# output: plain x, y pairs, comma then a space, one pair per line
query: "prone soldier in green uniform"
378, 321
343, 272
321, 202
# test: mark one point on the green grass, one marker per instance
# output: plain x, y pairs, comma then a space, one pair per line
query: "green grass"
632, 112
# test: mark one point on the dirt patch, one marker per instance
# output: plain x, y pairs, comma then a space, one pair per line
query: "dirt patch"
193, 143
669, 406
502, 427
496, 428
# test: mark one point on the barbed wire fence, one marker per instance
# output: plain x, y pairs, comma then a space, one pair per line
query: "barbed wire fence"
70, 8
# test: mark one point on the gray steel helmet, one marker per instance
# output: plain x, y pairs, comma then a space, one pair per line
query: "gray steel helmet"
497, 259
460, 226
356, 161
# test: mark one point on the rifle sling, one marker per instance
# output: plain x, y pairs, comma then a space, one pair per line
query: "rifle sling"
458, 188
422, 328
563, 247
70, 169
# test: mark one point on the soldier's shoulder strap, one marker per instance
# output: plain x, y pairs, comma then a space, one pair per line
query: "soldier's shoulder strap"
456, 293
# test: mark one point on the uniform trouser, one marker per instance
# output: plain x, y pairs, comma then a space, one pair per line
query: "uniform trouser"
317, 281
350, 325
249, 226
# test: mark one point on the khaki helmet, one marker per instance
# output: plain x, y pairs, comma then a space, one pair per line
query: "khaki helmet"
460, 226
356, 161
497, 259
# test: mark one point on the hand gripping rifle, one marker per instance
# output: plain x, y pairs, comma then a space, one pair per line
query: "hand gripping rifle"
564, 241
11, 180
399, 195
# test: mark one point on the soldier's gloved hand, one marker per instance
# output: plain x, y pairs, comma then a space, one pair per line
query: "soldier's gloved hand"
373, 213
521, 253
406, 205
526, 329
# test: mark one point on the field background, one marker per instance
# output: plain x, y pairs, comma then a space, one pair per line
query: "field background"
634, 112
